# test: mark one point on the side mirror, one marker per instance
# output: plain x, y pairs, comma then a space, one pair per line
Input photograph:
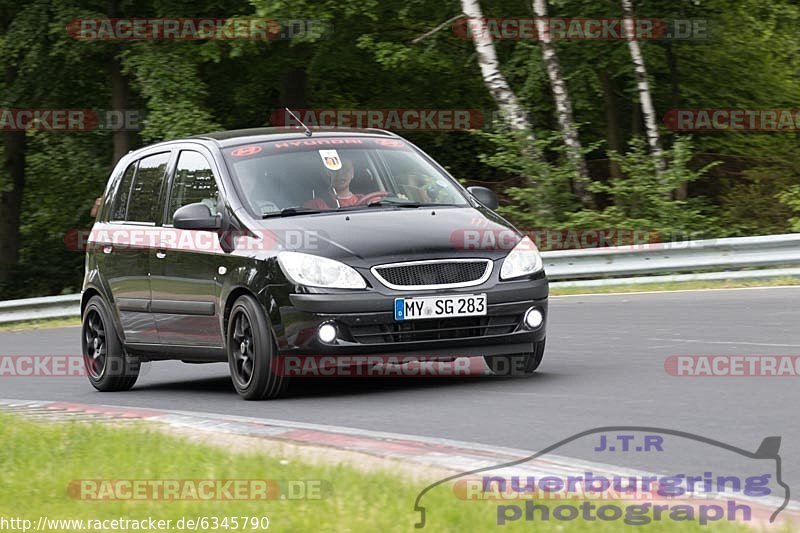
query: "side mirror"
485, 196
196, 216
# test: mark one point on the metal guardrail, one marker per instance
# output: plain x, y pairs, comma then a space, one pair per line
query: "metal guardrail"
687, 256
715, 259
68, 306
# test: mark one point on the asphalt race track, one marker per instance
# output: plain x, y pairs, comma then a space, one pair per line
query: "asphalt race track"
604, 365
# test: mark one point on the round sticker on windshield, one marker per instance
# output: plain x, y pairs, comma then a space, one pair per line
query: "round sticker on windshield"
246, 150
331, 160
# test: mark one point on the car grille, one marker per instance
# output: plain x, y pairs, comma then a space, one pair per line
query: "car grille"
435, 329
431, 274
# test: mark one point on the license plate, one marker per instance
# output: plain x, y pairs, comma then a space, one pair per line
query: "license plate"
439, 307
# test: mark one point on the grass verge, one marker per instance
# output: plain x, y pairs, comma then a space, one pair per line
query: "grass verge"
41, 324
678, 286
40, 461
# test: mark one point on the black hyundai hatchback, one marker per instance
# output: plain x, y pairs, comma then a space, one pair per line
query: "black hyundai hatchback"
254, 246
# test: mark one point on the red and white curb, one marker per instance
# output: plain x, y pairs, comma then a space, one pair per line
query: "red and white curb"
443, 454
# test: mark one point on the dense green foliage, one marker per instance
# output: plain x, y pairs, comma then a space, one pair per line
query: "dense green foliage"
640, 200
716, 184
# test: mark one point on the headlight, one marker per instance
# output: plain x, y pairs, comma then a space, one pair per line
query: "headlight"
315, 271
523, 260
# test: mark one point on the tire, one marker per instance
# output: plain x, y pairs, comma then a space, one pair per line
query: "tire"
517, 364
108, 367
252, 354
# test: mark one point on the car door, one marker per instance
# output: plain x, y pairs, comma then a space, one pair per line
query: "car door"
185, 274
127, 243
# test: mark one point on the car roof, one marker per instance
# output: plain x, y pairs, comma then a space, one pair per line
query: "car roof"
227, 138
233, 137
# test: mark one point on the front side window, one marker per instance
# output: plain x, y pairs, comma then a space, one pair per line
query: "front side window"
147, 187
337, 173
193, 183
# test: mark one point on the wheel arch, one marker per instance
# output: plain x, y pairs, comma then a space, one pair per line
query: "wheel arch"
234, 295
87, 295
90, 292
237, 293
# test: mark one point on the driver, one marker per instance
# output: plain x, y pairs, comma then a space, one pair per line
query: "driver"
341, 187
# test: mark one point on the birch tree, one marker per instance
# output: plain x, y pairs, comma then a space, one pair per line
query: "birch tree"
563, 103
494, 80
643, 86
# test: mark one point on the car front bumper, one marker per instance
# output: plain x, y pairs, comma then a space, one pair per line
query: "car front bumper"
366, 325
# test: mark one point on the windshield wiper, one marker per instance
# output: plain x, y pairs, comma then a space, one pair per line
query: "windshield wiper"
395, 203
299, 210
291, 211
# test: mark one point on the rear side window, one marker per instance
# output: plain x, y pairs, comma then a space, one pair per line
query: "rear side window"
120, 207
193, 183
146, 188
122, 194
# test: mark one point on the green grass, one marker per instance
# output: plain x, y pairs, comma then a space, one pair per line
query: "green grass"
38, 462
679, 286
39, 324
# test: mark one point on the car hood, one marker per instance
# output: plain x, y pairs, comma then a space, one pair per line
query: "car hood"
374, 236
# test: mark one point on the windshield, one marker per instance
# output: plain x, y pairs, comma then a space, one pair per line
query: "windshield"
312, 175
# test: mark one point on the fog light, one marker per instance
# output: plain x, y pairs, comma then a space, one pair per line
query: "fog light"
327, 333
533, 318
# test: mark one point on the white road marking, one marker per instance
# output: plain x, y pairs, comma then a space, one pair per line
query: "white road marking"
735, 343
781, 287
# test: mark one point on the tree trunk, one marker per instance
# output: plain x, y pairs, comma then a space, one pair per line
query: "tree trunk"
636, 118
675, 98
120, 94
643, 87
504, 97
564, 114
613, 137
11, 199
120, 99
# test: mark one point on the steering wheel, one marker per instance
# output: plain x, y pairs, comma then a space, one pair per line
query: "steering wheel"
373, 197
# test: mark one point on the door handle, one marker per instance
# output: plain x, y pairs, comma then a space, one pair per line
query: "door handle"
108, 249
161, 254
